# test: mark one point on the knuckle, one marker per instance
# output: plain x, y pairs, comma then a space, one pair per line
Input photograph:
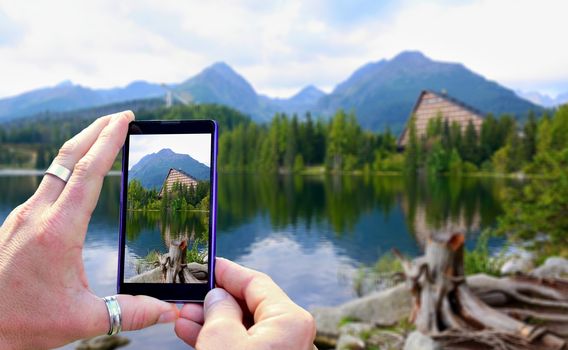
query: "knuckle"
20, 215
67, 150
83, 167
138, 320
307, 323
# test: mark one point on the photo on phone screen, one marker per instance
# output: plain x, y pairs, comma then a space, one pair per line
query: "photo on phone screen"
168, 208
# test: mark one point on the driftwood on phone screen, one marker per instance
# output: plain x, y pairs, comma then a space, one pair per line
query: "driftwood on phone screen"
483, 312
172, 267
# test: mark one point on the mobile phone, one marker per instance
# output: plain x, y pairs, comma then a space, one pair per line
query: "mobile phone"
168, 210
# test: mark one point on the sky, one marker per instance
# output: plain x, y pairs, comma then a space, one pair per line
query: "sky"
197, 146
278, 46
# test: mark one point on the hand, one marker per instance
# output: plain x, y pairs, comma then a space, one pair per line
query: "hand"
278, 323
46, 301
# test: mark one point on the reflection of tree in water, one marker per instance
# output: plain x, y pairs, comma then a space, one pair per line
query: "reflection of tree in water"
171, 225
437, 202
339, 200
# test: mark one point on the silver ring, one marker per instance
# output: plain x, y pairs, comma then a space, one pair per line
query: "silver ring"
59, 171
114, 314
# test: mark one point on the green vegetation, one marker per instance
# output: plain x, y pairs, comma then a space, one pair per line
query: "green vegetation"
536, 211
180, 197
480, 259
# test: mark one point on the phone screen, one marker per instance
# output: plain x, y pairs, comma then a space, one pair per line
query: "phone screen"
168, 205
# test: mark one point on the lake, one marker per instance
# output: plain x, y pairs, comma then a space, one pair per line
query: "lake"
309, 233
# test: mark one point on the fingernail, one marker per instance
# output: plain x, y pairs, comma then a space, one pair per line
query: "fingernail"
214, 296
167, 317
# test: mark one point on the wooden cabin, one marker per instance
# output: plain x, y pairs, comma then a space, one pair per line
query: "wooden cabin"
176, 175
431, 104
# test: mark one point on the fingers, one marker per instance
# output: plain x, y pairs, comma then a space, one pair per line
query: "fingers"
187, 330
274, 313
189, 323
74, 149
223, 325
141, 311
192, 312
80, 195
137, 312
251, 286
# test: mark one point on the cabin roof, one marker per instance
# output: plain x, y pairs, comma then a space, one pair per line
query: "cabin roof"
179, 171
444, 96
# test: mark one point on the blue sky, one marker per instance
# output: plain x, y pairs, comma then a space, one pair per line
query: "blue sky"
279, 46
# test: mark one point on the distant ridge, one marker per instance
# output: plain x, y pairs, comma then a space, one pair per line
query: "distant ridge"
380, 93
152, 169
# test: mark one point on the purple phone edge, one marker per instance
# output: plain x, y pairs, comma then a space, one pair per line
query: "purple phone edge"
213, 242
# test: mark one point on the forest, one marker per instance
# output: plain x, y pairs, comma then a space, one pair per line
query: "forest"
180, 197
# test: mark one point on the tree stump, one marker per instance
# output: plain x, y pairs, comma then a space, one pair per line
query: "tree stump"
508, 313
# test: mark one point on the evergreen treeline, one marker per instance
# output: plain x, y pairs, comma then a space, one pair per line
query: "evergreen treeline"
501, 145
180, 197
290, 144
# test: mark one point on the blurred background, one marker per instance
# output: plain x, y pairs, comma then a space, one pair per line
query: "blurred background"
348, 128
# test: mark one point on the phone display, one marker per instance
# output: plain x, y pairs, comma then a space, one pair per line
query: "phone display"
168, 209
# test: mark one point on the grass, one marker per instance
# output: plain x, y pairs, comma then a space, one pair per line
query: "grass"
480, 259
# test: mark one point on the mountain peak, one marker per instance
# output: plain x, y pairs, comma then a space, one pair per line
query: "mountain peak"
65, 83
165, 151
309, 90
221, 67
410, 57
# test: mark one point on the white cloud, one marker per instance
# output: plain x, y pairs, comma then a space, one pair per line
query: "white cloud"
198, 146
280, 46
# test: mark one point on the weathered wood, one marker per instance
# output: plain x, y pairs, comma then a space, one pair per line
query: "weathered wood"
447, 308
173, 268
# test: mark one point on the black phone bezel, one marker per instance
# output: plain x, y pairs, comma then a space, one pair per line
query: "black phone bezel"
192, 292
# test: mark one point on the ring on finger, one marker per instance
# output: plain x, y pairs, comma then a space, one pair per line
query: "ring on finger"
114, 314
59, 171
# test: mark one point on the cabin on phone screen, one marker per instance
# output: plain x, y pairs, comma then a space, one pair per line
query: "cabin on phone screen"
176, 175
431, 105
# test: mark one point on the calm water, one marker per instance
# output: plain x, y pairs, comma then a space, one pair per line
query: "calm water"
309, 233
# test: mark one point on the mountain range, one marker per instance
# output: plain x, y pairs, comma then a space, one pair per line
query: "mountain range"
153, 168
381, 93
543, 99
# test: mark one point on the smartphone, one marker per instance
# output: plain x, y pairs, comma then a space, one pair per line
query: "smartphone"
168, 205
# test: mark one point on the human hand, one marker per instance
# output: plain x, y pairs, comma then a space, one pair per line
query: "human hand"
46, 301
221, 323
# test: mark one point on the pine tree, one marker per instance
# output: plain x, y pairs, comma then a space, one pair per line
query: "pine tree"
529, 138
470, 150
412, 148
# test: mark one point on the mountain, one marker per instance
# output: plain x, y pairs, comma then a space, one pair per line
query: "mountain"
544, 99
220, 84
383, 93
305, 100
153, 168
67, 96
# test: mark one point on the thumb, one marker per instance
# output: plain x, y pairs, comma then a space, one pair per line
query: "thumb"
142, 311
223, 318
137, 312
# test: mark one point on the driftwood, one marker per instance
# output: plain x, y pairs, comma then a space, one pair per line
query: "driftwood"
484, 312
173, 268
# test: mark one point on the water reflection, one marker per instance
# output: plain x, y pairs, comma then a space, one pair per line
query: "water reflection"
308, 233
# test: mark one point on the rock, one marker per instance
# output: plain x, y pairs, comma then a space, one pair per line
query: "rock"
327, 322
419, 341
384, 308
103, 342
520, 263
385, 340
553, 267
356, 328
153, 276
350, 342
